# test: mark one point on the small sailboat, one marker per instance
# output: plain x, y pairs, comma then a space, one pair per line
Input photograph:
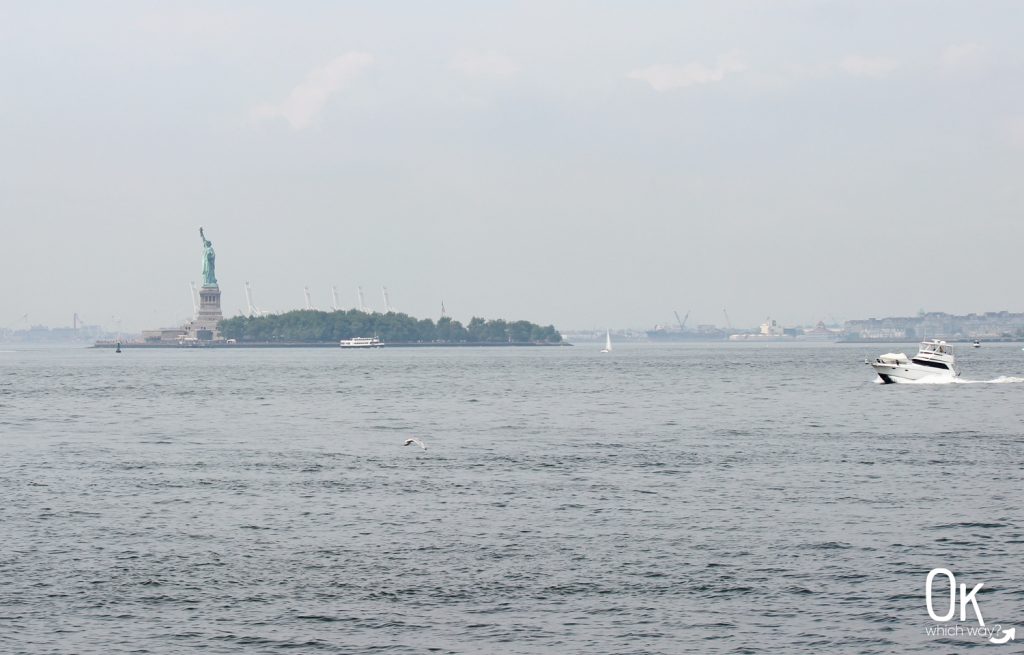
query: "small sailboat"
118, 348
607, 342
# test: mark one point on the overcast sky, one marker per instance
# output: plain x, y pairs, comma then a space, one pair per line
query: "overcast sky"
586, 164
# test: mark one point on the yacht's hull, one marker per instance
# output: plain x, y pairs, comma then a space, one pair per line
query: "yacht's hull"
910, 372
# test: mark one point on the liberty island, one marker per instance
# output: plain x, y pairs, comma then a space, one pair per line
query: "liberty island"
204, 327
316, 329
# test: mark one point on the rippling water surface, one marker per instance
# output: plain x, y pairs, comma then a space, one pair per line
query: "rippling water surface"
735, 498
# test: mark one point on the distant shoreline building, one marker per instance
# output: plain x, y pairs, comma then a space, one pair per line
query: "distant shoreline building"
936, 325
66, 334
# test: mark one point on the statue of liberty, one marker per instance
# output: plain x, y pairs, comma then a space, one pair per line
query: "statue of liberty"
209, 258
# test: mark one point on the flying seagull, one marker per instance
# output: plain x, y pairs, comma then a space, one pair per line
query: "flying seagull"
415, 441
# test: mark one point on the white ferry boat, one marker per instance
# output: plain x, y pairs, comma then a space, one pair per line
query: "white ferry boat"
933, 359
361, 342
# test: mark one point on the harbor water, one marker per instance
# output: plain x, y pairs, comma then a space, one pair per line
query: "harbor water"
705, 498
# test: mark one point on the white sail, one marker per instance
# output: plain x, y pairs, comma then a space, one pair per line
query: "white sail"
607, 342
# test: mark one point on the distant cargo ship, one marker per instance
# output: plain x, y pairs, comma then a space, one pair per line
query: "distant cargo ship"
769, 331
702, 333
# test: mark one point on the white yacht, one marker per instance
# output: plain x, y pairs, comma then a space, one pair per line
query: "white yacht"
933, 359
976, 344
607, 342
361, 342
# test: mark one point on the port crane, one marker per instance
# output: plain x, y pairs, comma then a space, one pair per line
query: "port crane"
194, 292
253, 309
387, 302
309, 302
335, 305
248, 300
727, 321
682, 323
23, 317
10, 328
362, 305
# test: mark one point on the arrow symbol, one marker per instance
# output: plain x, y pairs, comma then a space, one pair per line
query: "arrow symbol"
1007, 636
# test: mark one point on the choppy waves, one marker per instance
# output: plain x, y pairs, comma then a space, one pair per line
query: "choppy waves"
656, 505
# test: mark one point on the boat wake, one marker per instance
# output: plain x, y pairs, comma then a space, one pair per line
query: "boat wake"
1002, 379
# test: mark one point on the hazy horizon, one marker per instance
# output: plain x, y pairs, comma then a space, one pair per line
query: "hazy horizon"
584, 165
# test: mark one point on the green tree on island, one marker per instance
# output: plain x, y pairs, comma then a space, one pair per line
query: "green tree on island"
317, 327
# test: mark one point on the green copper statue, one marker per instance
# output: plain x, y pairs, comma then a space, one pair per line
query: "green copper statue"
209, 257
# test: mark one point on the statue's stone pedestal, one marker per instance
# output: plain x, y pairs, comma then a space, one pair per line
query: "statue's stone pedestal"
204, 325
